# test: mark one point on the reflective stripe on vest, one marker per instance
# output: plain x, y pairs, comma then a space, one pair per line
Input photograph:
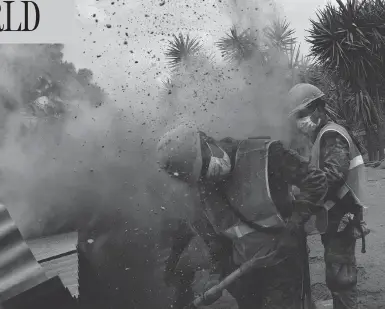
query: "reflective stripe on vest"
354, 180
248, 191
243, 229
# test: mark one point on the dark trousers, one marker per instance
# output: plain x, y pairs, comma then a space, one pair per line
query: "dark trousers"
184, 290
276, 287
341, 269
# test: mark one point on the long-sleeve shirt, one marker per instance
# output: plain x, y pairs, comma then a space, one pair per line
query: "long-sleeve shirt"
288, 166
335, 162
285, 166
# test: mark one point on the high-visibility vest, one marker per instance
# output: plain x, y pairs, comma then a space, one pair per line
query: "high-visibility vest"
354, 183
247, 190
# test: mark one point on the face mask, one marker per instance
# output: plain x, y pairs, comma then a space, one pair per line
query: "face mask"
218, 166
306, 125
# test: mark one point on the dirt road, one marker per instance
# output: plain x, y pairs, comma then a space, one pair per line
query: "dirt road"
371, 264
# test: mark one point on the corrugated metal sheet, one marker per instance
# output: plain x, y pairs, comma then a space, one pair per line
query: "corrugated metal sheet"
67, 269
19, 270
58, 256
50, 294
47, 247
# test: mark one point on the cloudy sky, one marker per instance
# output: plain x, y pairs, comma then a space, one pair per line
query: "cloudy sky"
122, 40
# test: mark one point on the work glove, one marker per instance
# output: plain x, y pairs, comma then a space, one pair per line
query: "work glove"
213, 280
289, 239
293, 228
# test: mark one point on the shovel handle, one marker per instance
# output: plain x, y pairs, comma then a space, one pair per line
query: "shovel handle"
259, 137
228, 280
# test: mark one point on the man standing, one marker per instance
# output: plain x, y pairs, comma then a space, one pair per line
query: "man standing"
244, 187
337, 154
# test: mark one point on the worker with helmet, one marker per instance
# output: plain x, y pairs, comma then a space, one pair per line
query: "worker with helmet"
336, 152
244, 188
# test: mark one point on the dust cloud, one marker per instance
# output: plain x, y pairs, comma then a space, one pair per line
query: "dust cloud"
237, 100
94, 168
91, 169
103, 153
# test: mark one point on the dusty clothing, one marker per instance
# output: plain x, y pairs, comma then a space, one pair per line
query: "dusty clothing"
341, 270
274, 287
278, 281
285, 167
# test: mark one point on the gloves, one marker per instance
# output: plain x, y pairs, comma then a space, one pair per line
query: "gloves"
302, 211
213, 280
289, 239
293, 228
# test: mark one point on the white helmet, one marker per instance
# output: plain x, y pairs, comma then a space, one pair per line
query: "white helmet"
301, 96
179, 151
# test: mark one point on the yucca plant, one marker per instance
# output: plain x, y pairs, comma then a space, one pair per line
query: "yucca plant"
181, 48
188, 62
280, 35
294, 55
236, 47
339, 40
281, 41
294, 61
278, 40
305, 62
366, 112
348, 39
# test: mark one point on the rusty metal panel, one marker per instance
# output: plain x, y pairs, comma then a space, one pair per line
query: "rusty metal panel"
19, 270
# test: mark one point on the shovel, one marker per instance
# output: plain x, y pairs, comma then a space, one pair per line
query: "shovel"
243, 269
250, 265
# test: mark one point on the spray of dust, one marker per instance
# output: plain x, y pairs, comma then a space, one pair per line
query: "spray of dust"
238, 101
253, 14
104, 152
95, 169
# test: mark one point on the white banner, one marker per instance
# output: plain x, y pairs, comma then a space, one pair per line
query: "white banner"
37, 21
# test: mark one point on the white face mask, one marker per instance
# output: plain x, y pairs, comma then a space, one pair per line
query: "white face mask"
219, 166
306, 125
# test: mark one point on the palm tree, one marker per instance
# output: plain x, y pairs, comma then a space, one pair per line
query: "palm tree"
280, 35
181, 49
348, 40
278, 40
237, 47
186, 60
296, 64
